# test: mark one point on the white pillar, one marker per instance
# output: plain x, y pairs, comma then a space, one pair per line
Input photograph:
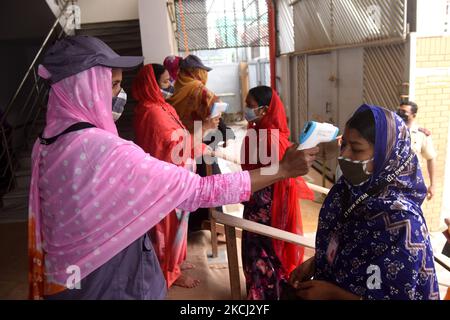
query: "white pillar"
431, 17
445, 212
156, 31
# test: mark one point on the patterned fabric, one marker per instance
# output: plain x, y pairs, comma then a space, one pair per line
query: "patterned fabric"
285, 208
264, 273
155, 123
218, 190
383, 249
92, 193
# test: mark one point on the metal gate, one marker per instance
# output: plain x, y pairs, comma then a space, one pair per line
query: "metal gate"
384, 75
216, 24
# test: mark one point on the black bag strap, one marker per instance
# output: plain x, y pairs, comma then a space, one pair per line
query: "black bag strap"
75, 127
377, 188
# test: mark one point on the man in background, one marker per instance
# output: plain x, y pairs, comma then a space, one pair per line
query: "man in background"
421, 141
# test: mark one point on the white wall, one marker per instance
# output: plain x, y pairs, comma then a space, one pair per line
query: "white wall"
224, 81
54, 7
156, 31
431, 15
108, 10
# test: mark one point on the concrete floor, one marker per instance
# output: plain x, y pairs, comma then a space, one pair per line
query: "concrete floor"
13, 261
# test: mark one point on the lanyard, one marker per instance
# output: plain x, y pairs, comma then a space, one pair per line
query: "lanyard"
378, 187
75, 127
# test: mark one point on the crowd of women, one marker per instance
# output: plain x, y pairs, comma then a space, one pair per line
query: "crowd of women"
119, 211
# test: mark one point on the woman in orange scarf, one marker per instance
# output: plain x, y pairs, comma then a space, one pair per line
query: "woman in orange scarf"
191, 99
193, 102
155, 123
267, 263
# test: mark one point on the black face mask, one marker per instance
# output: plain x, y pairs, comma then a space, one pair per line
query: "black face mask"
355, 171
403, 115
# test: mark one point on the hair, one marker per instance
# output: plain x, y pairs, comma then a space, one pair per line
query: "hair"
158, 70
364, 123
412, 104
262, 95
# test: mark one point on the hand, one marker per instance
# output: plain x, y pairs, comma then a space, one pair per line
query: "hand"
210, 124
297, 162
430, 192
302, 273
228, 143
323, 290
209, 152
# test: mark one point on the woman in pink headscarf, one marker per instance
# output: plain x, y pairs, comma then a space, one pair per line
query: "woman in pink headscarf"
172, 64
94, 196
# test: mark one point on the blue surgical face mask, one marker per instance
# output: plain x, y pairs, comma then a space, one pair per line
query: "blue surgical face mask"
167, 92
250, 114
118, 104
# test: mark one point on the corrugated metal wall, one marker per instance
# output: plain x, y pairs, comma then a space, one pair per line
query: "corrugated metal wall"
321, 24
302, 92
298, 112
384, 73
285, 21
372, 30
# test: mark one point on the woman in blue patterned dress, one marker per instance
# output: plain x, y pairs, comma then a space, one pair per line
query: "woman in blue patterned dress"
372, 241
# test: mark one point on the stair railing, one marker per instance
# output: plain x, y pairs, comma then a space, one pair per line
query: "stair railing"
18, 119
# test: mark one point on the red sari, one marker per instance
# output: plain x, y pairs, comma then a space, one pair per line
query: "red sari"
282, 202
154, 123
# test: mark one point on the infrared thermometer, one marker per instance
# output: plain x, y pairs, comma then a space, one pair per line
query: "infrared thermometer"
218, 108
315, 132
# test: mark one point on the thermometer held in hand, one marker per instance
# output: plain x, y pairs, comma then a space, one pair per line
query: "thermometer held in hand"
218, 108
315, 132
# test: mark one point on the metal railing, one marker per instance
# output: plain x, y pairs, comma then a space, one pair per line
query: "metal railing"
233, 224
18, 119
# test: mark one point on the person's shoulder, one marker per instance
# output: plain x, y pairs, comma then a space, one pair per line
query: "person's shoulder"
102, 137
425, 131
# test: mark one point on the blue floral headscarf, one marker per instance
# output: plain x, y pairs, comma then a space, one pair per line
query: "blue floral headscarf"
383, 250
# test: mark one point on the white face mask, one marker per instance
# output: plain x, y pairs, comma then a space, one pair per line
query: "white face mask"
118, 104
250, 114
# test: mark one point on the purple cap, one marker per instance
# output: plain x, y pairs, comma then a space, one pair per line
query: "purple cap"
75, 54
192, 61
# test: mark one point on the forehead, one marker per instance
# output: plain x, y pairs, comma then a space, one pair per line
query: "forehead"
353, 136
116, 74
165, 75
251, 100
405, 107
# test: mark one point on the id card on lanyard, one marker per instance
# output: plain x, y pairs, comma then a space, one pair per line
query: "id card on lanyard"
333, 246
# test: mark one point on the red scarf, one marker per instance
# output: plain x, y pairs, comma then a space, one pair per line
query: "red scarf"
155, 120
285, 211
